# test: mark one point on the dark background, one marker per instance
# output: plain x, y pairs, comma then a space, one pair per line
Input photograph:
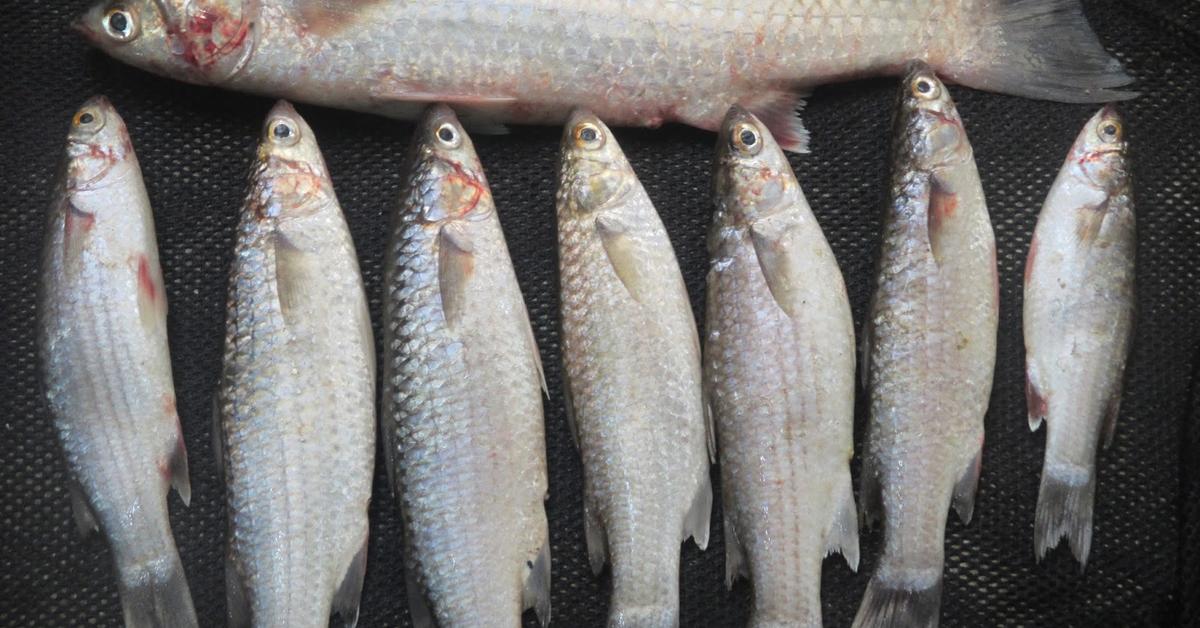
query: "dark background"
195, 146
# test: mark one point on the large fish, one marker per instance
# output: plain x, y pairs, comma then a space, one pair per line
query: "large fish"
462, 415
633, 378
107, 370
931, 351
632, 63
1079, 306
296, 405
779, 367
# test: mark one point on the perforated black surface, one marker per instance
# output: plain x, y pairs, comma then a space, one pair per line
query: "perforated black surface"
195, 146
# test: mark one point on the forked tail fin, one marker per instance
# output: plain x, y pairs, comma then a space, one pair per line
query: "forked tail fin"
1041, 49
154, 594
1064, 508
901, 602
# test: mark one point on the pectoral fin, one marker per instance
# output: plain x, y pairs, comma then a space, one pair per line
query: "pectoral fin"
293, 270
536, 592
967, 486
348, 596
597, 543
456, 264
943, 204
623, 256
85, 520
773, 244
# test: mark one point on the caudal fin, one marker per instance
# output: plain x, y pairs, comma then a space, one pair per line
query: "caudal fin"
154, 594
1064, 508
1040, 49
890, 603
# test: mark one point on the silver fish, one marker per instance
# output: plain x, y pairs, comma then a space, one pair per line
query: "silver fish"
107, 369
462, 405
633, 63
296, 405
633, 378
931, 347
1079, 307
779, 368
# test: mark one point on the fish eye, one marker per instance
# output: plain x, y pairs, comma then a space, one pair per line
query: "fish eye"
88, 120
922, 87
120, 24
448, 136
746, 139
588, 136
1110, 131
283, 132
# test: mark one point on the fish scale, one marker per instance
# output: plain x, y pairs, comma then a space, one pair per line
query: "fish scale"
634, 63
106, 365
631, 360
462, 412
296, 401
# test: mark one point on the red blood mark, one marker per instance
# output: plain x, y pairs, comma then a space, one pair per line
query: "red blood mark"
1034, 399
329, 18
470, 189
942, 205
169, 405
146, 283
1033, 249
201, 30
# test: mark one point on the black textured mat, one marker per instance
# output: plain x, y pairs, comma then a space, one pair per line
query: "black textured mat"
195, 146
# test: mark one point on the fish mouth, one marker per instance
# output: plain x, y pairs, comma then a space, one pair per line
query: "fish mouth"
80, 26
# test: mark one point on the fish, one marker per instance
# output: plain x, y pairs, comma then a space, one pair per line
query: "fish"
930, 354
1078, 323
106, 366
294, 413
636, 64
779, 368
634, 388
462, 419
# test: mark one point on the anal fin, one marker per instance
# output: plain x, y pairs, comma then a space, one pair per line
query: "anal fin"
85, 519
349, 594
780, 110
1035, 400
597, 542
536, 593
237, 605
966, 487
178, 468
870, 492
218, 439
696, 522
735, 554
842, 536
418, 610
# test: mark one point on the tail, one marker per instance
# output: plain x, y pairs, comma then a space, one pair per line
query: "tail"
902, 602
1040, 49
1064, 508
154, 594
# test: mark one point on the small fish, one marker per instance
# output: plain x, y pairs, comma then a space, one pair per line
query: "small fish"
779, 369
295, 412
107, 368
930, 347
633, 379
1079, 310
633, 63
462, 418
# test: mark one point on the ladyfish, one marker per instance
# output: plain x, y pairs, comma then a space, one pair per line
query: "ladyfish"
296, 405
931, 351
633, 380
633, 63
1079, 307
779, 368
107, 368
462, 415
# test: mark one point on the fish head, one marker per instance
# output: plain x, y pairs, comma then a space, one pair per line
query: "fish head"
97, 144
199, 41
289, 179
753, 178
930, 127
445, 171
1098, 156
594, 173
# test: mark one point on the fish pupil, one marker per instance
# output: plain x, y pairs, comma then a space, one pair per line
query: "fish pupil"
118, 22
282, 131
446, 134
588, 134
748, 138
86, 118
1110, 130
924, 87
